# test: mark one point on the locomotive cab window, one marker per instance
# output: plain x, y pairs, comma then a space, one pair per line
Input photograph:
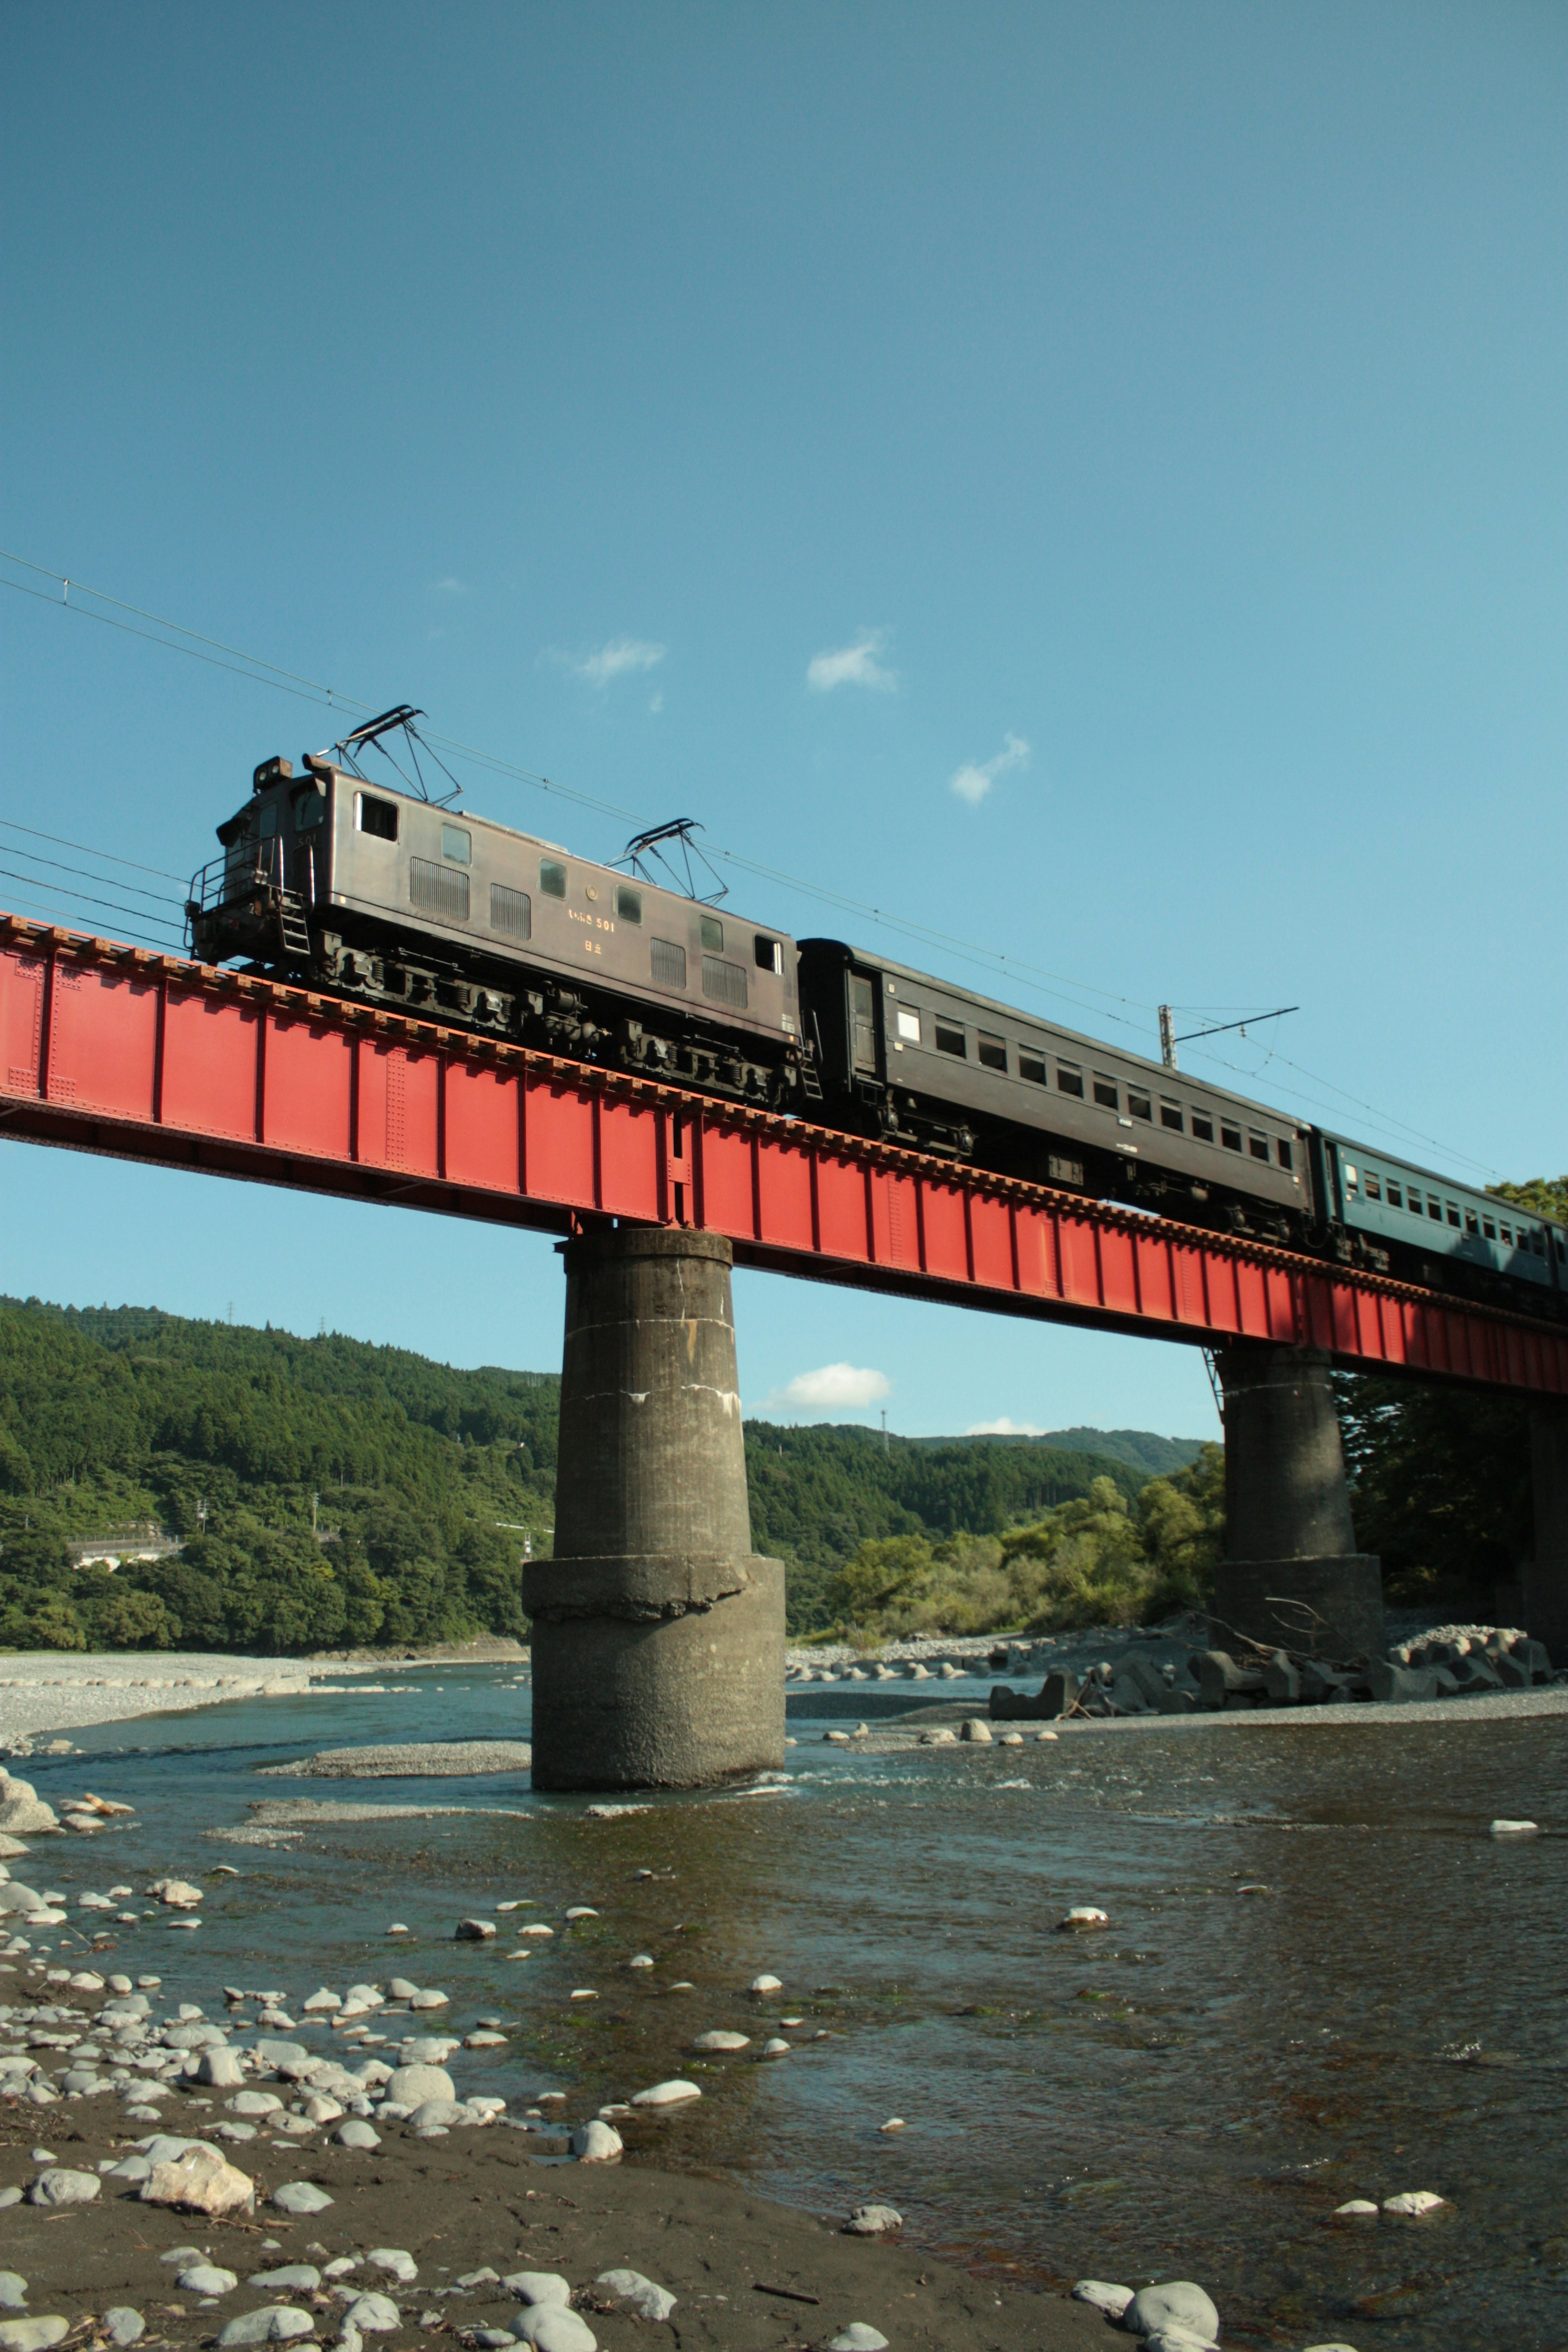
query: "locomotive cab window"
1170, 1114
1105, 1093
457, 843
628, 905
268, 819
908, 1023
712, 935
769, 953
993, 1051
308, 810
552, 877
1069, 1079
950, 1039
1140, 1104
375, 816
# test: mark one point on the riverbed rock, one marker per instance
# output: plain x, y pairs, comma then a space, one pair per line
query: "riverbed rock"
1084, 1918
538, 2287
58, 2185
1356, 2208
857, 2337
297, 2278
1177, 2303
206, 2278
555, 2327
221, 2067
301, 2197
1505, 1828
373, 2314
13, 2291
873, 2222
596, 2143
975, 1727
766, 1983
197, 2179
255, 2102
673, 2094
397, 2262
122, 2326
176, 1894
638, 2293
719, 2040
410, 2086
274, 2324
473, 1931
1113, 2300
33, 2335
1411, 2203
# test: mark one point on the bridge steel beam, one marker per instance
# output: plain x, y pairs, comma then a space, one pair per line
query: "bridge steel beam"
142, 1056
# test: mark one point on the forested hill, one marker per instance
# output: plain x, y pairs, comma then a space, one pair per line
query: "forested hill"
426, 1484
1139, 1449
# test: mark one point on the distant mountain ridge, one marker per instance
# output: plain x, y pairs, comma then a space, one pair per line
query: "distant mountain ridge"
1142, 1450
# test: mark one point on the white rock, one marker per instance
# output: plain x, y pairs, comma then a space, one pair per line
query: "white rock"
873, 2222
942, 1739
198, 2178
396, 2261
1175, 2303
428, 2000
301, 2197
438, 2114
205, 2278
666, 2094
1359, 2208
1172, 2338
555, 2327
775, 2047
221, 2068
857, 2337
1113, 2300
58, 2185
640, 1960
255, 2102
13, 2291
538, 2288
1083, 1916
719, 2040
304, 2278
596, 2143
356, 2134
274, 2324
122, 2326
32, 2335
766, 1984
975, 1727
177, 1894
323, 2000
638, 2293
1515, 1829
373, 2314
411, 2085
1414, 2201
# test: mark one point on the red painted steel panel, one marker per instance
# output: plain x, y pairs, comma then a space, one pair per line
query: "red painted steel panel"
944, 1237
628, 1159
210, 1066
784, 1190
726, 1188
484, 1136
103, 1041
426, 1103
841, 1209
21, 1024
558, 1145
308, 1091
990, 1241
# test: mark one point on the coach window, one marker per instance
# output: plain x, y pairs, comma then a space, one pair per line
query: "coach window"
950, 1039
552, 877
1286, 1160
379, 817
1505, 1233
1393, 1196
769, 953
455, 843
1488, 1228
1105, 1093
1473, 1223
1373, 1186
1202, 1127
1139, 1106
628, 904
993, 1051
1032, 1066
908, 1024
1258, 1144
712, 935
1231, 1138
1170, 1114
1435, 1210
1453, 1213
1069, 1079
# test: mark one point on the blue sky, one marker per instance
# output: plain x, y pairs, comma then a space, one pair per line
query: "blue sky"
1087, 479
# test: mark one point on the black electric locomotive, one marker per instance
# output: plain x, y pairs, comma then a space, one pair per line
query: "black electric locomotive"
375, 895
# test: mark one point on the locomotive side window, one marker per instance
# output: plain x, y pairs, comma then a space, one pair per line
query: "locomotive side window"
1140, 1104
712, 935
668, 964
1283, 1148
1231, 1138
1170, 1113
1105, 1091
1069, 1079
1202, 1127
511, 912
909, 1025
437, 891
724, 983
552, 877
376, 816
628, 904
457, 843
1033, 1067
950, 1039
769, 953
993, 1051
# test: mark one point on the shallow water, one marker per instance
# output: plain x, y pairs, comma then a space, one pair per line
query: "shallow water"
1308, 1926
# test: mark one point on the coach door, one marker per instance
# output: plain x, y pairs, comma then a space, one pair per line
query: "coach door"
862, 1025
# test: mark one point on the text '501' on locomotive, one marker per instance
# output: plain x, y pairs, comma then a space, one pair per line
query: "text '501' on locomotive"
371, 894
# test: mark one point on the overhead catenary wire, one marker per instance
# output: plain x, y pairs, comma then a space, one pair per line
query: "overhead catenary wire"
1035, 978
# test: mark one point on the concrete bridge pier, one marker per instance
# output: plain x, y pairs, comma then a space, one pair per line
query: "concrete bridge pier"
658, 1632
1292, 1576
1544, 1579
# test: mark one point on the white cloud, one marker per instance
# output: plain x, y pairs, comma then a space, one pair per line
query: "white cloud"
450, 587
972, 782
855, 665
657, 705
1003, 1427
617, 658
850, 1386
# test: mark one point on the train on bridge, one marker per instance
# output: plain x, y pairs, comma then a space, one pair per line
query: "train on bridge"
370, 893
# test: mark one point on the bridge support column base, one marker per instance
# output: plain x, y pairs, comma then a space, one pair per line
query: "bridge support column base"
658, 1632
1544, 1579
1292, 1577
